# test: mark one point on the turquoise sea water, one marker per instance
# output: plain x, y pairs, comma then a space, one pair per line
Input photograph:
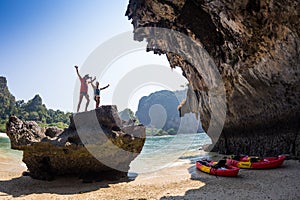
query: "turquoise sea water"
164, 151
158, 151
5, 151
192, 141
10, 160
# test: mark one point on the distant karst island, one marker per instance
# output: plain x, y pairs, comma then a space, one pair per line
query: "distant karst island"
159, 113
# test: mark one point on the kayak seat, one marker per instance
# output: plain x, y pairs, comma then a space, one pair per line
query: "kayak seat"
254, 159
235, 157
203, 162
221, 163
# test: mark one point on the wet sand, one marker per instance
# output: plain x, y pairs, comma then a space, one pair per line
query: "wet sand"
177, 182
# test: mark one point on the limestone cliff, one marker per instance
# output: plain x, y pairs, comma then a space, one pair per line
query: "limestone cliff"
255, 45
167, 117
7, 100
96, 145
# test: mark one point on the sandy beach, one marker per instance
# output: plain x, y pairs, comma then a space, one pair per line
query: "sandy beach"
177, 182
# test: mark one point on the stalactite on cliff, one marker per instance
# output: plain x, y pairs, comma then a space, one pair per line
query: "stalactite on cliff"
256, 47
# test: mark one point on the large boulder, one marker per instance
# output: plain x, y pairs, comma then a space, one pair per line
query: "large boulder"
23, 133
96, 144
53, 131
255, 47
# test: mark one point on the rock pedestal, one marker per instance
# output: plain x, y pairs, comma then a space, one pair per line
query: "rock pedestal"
96, 144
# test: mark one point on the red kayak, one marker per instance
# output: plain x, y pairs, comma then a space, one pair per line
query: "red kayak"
216, 168
248, 162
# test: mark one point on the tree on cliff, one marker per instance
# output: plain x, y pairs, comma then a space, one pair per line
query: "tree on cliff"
35, 109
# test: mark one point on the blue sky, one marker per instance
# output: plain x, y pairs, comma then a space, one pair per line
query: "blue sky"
41, 41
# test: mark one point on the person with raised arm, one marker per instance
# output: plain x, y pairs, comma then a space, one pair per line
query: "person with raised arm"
83, 89
97, 91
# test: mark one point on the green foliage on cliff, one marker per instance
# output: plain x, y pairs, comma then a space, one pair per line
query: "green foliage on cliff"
7, 100
2, 125
57, 124
33, 110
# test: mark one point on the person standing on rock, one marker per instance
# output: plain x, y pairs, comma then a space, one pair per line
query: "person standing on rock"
97, 91
83, 89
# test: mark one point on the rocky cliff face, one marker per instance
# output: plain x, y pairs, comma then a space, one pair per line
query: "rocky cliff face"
255, 45
96, 145
7, 100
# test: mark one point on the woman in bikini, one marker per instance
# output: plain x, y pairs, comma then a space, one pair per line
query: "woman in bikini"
97, 91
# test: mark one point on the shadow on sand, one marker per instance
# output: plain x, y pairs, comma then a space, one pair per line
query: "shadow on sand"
249, 184
25, 185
